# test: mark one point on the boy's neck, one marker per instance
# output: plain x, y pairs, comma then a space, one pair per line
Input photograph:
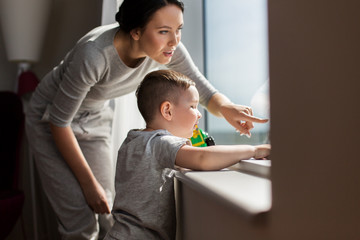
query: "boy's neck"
149, 129
152, 127
158, 124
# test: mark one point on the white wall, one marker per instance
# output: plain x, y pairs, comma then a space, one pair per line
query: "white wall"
68, 21
7, 70
192, 33
193, 38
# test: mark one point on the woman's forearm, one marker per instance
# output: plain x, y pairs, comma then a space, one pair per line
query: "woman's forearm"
216, 102
70, 150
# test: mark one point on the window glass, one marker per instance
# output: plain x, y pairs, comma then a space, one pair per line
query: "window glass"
236, 63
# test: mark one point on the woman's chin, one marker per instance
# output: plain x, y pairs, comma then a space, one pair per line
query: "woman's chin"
163, 60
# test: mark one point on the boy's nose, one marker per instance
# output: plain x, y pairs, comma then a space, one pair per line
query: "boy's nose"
199, 114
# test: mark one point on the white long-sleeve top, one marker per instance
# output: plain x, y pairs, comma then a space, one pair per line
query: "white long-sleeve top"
92, 73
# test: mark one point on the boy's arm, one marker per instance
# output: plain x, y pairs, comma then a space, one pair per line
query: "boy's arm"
218, 156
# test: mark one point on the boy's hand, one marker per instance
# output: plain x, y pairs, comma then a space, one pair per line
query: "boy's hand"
262, 151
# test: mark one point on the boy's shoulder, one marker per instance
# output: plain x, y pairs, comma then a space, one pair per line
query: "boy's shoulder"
160, 136
159, 144
140, 133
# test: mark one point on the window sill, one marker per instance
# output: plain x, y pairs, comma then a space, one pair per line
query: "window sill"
255, 167
249, 194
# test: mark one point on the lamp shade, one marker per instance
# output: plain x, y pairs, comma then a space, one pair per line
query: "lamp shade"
24, 23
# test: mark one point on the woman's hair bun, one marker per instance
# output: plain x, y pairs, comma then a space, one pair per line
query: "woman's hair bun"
136, 13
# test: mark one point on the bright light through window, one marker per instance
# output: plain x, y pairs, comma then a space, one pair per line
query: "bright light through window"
236, 62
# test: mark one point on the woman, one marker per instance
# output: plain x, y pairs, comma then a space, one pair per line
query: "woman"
69, 121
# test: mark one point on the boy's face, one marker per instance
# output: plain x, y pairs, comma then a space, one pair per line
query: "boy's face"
186, 115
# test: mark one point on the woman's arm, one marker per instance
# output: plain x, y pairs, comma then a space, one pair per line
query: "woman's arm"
240, 117
69, 148
218, 156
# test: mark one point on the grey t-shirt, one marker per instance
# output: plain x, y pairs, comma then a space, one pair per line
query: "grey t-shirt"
92, 73
144, 206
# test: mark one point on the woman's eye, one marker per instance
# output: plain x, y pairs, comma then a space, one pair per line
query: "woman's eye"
164, 32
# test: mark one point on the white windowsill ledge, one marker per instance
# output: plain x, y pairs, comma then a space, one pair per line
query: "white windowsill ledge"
250, 194
255, 167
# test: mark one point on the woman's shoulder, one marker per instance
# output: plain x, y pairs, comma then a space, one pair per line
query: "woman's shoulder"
96, 44
100, 32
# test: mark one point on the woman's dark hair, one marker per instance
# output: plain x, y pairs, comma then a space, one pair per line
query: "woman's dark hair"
137, 13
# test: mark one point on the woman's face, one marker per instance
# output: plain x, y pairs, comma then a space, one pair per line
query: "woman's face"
162, 34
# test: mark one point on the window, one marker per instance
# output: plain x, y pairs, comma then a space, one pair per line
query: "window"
236, 62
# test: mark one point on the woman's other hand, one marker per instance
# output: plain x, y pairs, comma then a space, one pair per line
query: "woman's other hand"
96, 197
69, 147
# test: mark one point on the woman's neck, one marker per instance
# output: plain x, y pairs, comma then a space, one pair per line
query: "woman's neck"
127, 49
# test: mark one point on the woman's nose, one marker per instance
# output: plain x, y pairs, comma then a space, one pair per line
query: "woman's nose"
175, 39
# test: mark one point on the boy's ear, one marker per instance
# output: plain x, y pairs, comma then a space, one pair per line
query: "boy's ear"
136, 34
166, 110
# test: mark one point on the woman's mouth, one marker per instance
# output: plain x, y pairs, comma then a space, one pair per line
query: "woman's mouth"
168, 53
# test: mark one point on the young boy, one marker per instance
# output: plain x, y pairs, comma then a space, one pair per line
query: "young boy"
144, 205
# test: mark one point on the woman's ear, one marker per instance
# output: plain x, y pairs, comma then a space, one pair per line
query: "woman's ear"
166, 109
135, 33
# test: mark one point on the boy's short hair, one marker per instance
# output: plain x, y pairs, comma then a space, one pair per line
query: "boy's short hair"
158, 87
